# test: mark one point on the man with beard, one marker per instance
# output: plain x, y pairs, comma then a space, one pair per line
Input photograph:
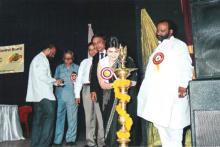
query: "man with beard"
162, 98
40, 92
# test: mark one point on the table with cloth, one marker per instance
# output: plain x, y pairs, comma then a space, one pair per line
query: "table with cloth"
10, 127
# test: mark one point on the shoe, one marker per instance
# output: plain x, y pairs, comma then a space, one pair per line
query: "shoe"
89, 146
71, 143
57, 144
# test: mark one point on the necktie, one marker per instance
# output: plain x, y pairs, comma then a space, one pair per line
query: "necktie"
102, 55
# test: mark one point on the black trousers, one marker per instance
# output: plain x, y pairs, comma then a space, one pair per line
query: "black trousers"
43, 123
111, 140
144, 130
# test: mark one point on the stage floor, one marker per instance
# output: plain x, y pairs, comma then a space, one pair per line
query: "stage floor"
26, 143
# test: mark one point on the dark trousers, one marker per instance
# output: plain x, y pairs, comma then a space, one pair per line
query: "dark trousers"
144, 130
43, 123
111, 140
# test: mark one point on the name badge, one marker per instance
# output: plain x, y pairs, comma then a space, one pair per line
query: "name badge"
158, 58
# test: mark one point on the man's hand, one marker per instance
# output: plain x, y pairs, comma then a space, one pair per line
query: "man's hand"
58, 82
93, 96
73, 77
182, 92
77, 101
133, 83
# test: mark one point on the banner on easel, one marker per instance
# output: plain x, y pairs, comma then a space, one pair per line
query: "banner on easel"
12, 59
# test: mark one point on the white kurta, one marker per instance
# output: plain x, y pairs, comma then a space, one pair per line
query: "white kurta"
40, 82
158, 99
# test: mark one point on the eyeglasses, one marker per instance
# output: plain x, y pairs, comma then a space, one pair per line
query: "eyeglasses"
68, 58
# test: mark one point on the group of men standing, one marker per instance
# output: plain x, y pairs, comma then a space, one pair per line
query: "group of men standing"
67, 94
162, 98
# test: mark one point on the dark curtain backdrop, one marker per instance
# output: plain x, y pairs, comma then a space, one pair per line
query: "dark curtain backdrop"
64, 23
115, 18
166, 9
36, 23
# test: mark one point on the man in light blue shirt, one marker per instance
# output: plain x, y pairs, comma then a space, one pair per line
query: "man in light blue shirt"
66, 101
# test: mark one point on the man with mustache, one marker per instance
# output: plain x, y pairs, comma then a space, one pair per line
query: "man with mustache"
162, 98
40, 93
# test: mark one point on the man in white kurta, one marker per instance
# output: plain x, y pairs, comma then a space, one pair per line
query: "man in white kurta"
162, 97
40, 92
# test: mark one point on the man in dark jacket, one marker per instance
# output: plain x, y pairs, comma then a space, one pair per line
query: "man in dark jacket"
95, 89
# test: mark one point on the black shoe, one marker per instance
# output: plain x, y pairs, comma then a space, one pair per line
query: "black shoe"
71, 143
89, 146
57, 144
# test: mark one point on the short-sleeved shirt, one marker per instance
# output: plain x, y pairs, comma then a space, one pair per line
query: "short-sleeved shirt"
66, 92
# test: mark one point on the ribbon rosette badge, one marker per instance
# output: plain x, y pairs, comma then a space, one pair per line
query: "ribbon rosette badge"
107, 73
158, 58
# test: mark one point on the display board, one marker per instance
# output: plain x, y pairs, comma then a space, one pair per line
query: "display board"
12, 59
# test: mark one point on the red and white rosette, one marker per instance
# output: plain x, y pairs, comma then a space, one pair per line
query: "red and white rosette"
107, 73
158, 58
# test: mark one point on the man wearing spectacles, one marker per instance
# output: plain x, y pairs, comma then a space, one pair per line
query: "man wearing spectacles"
66, 100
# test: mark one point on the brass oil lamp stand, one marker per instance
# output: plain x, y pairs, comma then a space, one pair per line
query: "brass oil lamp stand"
122, 73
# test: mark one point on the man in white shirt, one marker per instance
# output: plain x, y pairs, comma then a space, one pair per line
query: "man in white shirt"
162, 98
83, 83
40, 92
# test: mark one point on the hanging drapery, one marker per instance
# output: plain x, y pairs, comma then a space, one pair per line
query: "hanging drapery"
188, 28
148, 38
187, 24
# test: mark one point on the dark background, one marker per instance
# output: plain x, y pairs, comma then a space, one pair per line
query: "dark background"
35, 23
64, 23
166, 9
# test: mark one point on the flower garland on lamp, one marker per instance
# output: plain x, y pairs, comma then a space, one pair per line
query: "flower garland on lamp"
124, 132
121, 86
